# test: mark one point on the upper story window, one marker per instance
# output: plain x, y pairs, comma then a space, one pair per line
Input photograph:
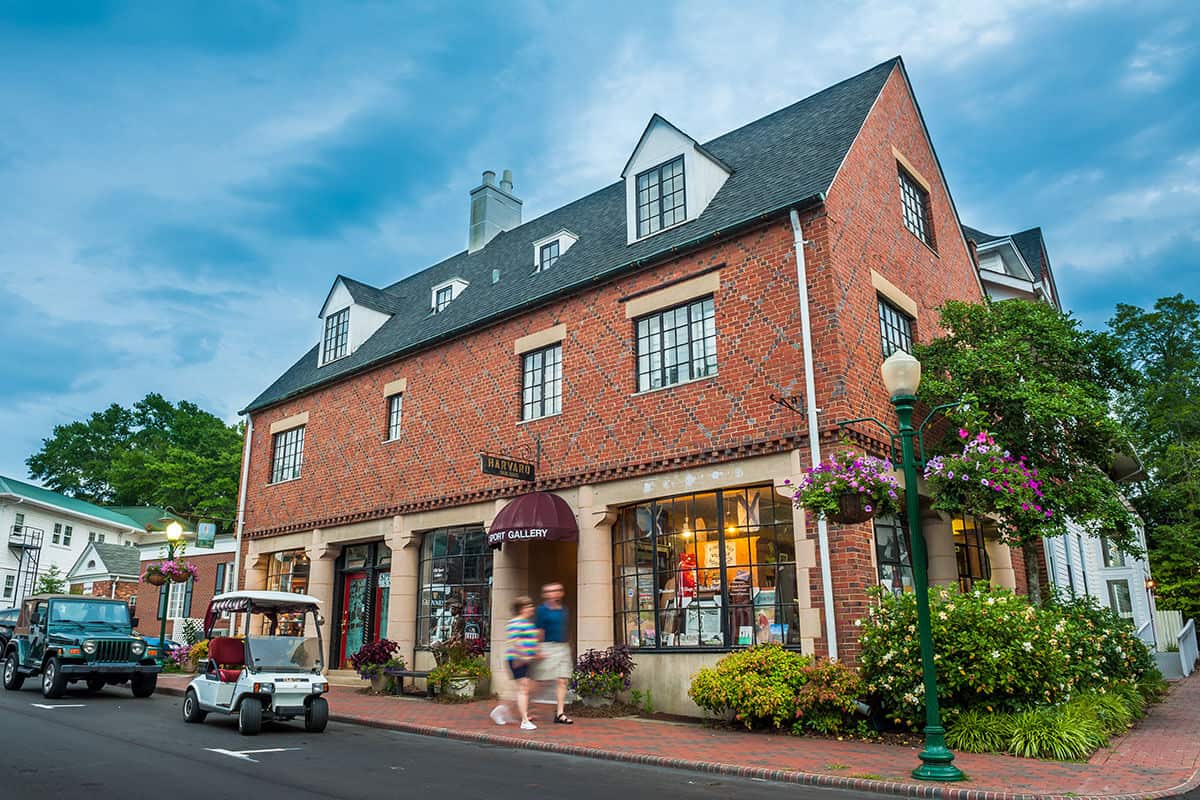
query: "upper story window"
56, 537
895, 329
442, 298
337, 335
18, 522
287, 454
67, 531
548, 255
1111, 553
661, 199
541, 382
915, 199
676, 345
395, 403
445, 293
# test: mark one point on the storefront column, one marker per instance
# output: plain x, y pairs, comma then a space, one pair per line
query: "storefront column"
320, 583
255, 578
1000, 557
808, 618
510, 578
594, 578
939, 544
402, 598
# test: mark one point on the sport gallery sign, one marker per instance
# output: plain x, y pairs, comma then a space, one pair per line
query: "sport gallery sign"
537, 516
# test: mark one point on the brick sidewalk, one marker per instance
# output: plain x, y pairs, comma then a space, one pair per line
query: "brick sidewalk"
1160, 758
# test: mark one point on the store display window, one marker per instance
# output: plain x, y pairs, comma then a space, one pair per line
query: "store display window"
456, 573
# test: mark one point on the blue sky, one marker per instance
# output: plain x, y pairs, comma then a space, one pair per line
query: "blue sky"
181, 181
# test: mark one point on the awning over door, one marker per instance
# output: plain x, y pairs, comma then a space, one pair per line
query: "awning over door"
537, 516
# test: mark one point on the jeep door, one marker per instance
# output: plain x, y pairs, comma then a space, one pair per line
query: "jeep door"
37, 633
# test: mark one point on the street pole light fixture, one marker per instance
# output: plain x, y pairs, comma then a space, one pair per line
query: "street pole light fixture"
901, 376
174, 534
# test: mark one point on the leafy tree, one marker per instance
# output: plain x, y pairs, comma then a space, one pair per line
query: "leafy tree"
155, 453
52, 581
1162, 406
1042, 385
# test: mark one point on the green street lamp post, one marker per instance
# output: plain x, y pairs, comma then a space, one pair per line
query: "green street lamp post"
901, 375
174, 534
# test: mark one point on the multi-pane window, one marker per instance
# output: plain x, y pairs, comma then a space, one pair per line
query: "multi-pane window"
970, 551
180, 599
548, 255
287, 571
676, 345
67, 536
442, 298
288, 455
56, 536
895, 329
892, 554
915, 200
660, 197
1119, 599
337, 334
10, 582
1111, 553
91, 536
711, 570
456, 576
395, 403
541, 382
18, 522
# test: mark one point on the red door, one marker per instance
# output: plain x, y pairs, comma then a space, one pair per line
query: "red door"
383, 587
354, 615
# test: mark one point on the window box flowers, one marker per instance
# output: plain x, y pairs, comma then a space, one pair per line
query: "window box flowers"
849, 487
174, 570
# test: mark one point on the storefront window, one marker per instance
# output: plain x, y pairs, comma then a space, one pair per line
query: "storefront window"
892, 554
456, 571
287, 571
716, 569
970, 551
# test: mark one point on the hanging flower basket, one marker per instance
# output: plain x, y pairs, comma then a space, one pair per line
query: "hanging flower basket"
155, 578
849, 488
174, 570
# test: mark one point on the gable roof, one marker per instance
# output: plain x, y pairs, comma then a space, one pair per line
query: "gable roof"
116, 559
149, 518
368, 296
786, 159
659, 118
42, 496
1030, 244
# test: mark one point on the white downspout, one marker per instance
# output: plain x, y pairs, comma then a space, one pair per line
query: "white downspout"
241, 514
814, 435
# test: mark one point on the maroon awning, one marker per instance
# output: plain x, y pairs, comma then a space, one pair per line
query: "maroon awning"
537, 516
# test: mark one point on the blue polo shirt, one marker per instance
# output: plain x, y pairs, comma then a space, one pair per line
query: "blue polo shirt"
553, 622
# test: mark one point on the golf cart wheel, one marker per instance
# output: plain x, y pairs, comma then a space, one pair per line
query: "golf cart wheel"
316, 716
143, 684
191, 708
95, 684
250, 717
54, 682
12, 678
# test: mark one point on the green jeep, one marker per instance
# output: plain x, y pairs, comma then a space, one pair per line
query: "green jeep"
67, 638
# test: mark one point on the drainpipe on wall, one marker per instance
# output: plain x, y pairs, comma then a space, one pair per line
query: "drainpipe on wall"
814, 435
241, 514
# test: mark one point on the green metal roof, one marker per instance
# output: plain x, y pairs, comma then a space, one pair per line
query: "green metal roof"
38, 494
149, 518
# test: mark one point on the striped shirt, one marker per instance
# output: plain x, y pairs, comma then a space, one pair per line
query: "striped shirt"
522, 639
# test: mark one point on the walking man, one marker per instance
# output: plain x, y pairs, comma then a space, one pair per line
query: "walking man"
556, 663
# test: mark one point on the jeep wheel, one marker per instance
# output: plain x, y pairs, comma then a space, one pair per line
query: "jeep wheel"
95, 684
12, 678
316, 716
54, 680
191, 708
143, 684
250, 717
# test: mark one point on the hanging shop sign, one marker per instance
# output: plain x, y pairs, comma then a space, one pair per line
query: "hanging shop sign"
506, 467
206, 535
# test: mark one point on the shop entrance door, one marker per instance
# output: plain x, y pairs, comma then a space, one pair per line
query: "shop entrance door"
383, 587
354, 615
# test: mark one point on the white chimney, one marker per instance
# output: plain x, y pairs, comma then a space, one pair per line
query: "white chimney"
493, 209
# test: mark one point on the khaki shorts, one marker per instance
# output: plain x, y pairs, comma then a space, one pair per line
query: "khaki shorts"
556, 662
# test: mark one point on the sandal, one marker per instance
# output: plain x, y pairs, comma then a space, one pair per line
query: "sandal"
563, 719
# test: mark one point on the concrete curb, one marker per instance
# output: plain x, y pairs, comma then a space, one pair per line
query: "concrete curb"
942, 792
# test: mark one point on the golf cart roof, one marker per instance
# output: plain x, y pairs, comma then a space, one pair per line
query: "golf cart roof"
262, 600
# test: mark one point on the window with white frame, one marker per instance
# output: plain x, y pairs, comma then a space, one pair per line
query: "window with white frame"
395, 405
18, 522
915, 200
1119, 599
67, 530
676, 345
337, 335
442, 298
1111, 553
10, 582
180, 593
287, 455
548, 255
895, 329
660, 197
56, 536
541, 382
91, 536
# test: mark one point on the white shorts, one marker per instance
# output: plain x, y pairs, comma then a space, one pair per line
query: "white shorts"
556, 662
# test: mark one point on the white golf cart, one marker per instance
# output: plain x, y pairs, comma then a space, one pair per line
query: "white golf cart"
274, 673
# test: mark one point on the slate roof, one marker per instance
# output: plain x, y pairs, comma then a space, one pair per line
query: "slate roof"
38, 494
786, 159
373, 298
1029, 243
119, 559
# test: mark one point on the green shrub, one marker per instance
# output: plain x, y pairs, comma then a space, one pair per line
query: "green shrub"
1152, 686
825, 703
758, 685
1058, 733
1110, 710
977, 731
1105, 648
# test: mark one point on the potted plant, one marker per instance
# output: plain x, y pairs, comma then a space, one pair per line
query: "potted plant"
849, 487
174, 570
460, 677
600, 674
373, 658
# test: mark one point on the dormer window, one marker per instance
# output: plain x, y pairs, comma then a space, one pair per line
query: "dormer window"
548, 255
549, 249
337, 335
661, 201
444, 293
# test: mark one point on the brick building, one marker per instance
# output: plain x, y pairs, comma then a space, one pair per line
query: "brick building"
627, 345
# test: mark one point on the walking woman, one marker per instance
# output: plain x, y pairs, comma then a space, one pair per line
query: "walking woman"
520, 654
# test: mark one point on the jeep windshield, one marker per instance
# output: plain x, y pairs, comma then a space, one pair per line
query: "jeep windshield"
284, 653
89, 613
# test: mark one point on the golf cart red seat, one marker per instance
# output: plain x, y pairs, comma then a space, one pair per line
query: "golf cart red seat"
229, 656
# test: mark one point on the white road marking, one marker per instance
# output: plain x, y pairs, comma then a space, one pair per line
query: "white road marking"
244, 755
59, 705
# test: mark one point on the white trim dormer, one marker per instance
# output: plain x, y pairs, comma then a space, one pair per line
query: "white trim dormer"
455, 285
654, 159
361, 322
564, 238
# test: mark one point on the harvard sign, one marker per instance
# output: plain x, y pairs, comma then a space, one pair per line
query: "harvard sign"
506, 467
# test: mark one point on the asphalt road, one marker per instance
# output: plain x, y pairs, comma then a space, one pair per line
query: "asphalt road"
111, 745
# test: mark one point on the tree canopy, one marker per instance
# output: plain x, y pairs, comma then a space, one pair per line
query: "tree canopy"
155, 453
1042, 385
1162, 407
